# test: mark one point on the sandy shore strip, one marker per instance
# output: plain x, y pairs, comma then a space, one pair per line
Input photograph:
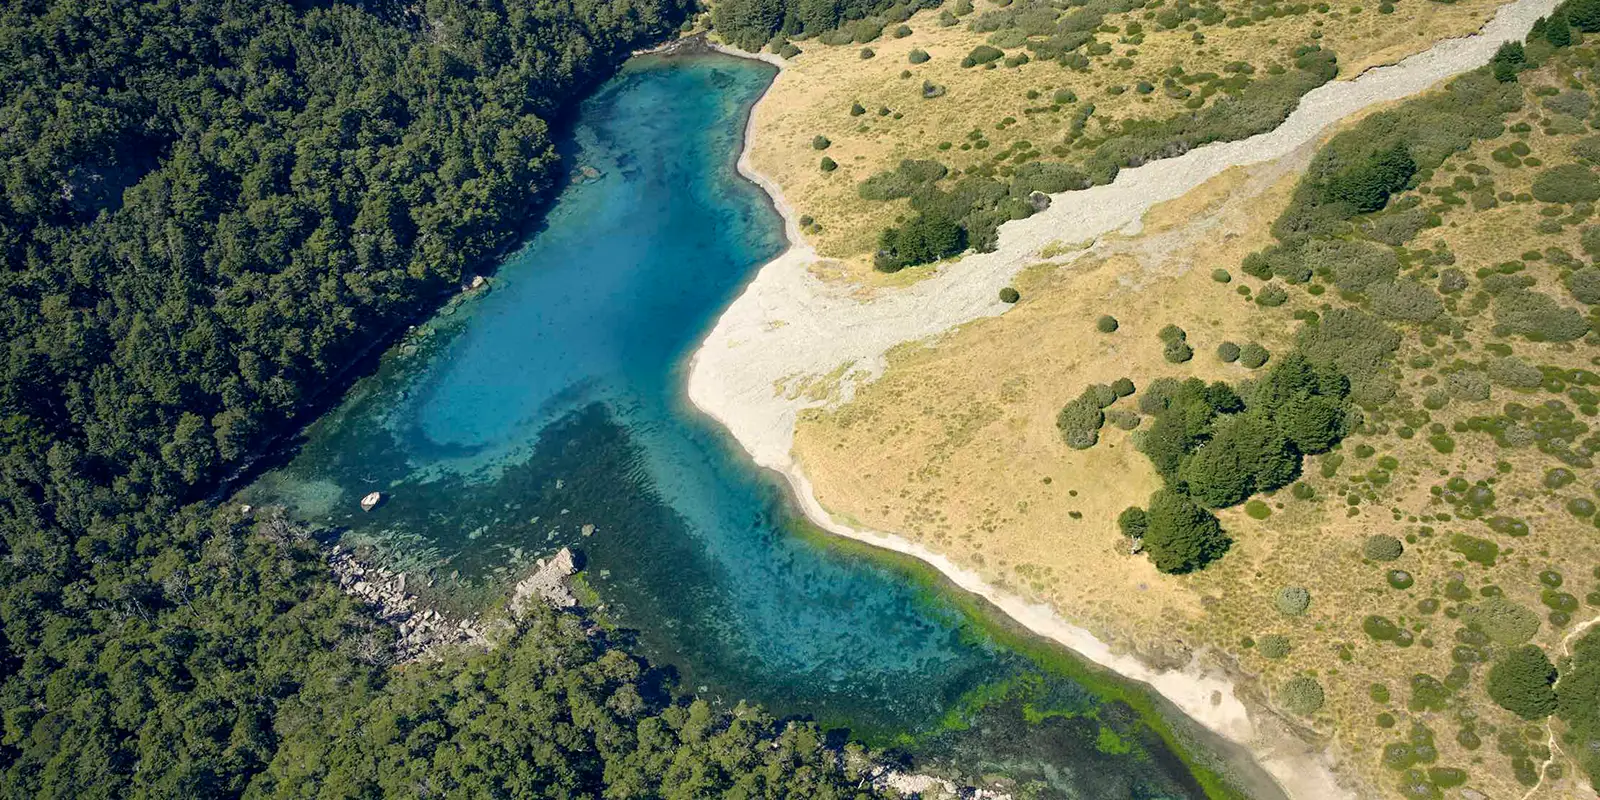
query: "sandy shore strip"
788, 326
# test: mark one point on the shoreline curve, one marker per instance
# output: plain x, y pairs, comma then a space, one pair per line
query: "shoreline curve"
784, 308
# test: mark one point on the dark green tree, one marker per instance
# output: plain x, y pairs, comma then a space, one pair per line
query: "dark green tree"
1521, 682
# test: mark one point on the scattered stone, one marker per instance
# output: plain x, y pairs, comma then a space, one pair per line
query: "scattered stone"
371, 501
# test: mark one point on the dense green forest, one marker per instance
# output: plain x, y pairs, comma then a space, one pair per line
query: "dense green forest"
211, 209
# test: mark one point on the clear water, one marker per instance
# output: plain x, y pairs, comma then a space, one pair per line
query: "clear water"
550, 411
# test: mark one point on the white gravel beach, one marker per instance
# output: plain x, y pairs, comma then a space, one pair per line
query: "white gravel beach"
790, 325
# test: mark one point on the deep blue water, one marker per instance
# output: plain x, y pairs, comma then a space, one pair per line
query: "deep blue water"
514, 420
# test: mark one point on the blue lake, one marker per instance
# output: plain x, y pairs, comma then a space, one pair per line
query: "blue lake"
549, 411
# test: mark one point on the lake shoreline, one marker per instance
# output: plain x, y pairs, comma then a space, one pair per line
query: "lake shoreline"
1207, 697
783, 295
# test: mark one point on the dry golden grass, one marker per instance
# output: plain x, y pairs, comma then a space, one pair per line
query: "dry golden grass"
956, 446
815, 92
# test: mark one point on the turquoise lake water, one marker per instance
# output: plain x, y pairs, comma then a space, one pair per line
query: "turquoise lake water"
550, 411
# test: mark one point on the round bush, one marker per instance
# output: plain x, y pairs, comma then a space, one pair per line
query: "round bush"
856, 109
1568, 183
1273, 645
1400, 579
1228, 352
918, 56
1382, 547
828, 164
821, 142
1009, 295
1221, 276
1253, 355
1301, 695
1106, 324
1503, 621
1380, 628
866, 53
1292, 601
1122, 386
902, 31
1177, 352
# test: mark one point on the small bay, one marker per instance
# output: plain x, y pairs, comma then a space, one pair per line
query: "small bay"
547, 410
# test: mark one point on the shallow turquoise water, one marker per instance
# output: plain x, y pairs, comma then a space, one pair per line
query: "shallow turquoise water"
550, 412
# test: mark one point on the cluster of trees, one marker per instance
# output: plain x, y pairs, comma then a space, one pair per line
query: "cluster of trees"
552, 712
1215, 447
752, 24
209, 209
983, 199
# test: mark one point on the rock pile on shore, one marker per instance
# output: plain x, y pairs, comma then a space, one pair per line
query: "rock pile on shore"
548, 583
422, 630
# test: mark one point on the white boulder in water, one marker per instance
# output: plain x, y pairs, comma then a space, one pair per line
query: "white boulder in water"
371, 501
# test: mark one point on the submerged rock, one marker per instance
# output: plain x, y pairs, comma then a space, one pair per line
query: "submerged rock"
371, 501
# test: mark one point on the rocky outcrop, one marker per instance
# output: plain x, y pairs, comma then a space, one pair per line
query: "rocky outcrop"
423, 630
548, 583
927, 787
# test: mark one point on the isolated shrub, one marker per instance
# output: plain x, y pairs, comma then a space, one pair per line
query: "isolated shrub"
1584, 284
1452, 280
866, 53
930, 90
1106, 324
1271, 296
820, 142
1379, 628
1009, 295
1301, 695
902, 31
917, 56
1228, 352
1521, 682
1568, 183
1080, 421
1514, 372
1122, 418
1573, 103
1221, 276
1133, 522
1382, 547
1273, 645
828, 164
1536, 316
1292, 601
1253, 355
1182, 536
1177, 351
1469, 385
982, 54
856, 109
1171, 333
